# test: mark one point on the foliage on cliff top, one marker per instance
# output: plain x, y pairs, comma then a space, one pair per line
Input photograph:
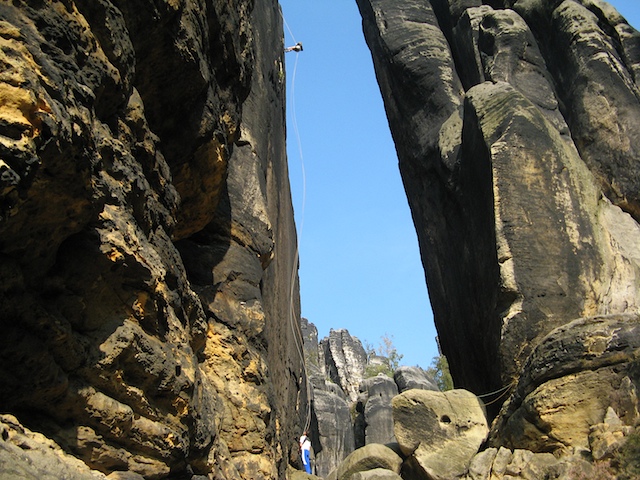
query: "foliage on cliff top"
383, 359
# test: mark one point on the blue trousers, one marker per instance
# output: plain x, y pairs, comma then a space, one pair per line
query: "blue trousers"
306, 460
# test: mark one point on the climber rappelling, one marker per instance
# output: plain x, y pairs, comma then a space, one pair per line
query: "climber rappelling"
296, 48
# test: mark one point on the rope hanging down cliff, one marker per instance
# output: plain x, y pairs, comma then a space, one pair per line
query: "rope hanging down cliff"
297, 336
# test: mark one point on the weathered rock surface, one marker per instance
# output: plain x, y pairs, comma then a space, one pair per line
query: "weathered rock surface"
374, 405
517, 125
498, 464
439, 432
408, 378
575, 376
335, 431
26, 454
369, 457
376, 474
147, 236
345, 360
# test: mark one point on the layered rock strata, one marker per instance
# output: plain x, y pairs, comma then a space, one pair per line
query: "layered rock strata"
516, 125
148, 273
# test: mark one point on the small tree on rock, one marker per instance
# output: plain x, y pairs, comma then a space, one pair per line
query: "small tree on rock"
385, 359
439, 370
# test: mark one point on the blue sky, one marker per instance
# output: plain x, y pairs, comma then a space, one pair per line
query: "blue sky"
360, 267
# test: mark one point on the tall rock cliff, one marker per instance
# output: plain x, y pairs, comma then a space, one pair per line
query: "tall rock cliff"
517, 126
148, 279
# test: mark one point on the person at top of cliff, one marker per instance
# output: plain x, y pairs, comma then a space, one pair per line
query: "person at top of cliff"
305, 452
296, 48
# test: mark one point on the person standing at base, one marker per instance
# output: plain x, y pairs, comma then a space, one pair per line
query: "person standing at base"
305, 452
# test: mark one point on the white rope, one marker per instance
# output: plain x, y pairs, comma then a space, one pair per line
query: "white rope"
287, 25
497, 391
294, 268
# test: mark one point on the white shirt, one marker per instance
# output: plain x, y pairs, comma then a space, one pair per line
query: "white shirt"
305, 443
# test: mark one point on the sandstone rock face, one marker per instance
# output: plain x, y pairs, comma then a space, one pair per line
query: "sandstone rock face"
147, 235
26, 454
516, 125
440, 432
521, 464
345, 360
579, 373
369, 457
408, 378
335, 431
376, 474
374, 404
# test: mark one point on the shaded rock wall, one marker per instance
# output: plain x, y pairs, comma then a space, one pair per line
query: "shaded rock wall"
374, 405
516, 125
146, 233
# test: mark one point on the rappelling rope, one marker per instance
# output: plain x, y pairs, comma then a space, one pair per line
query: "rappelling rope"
294, 268
504, 391
284, 20
497, 391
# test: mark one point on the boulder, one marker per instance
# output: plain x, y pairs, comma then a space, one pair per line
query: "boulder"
369, 457
376, 474
440, 431
573, 378
498, 464
293, 474
481, 465
408, 378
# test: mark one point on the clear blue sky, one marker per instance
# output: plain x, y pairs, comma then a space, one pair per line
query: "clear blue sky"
360, 268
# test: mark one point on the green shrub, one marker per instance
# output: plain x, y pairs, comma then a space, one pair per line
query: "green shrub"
374, 370
387, 352
439, 370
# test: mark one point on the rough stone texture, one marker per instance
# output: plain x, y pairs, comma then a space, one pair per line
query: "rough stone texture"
314, 357
440, 432
597, 84
408, 378
376, 474
499, 464
293, 474
26, 454
369, 457
147, 237
517, 125
572, 379
607, 437
335, 432
331, 429
345, 360
374, 405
